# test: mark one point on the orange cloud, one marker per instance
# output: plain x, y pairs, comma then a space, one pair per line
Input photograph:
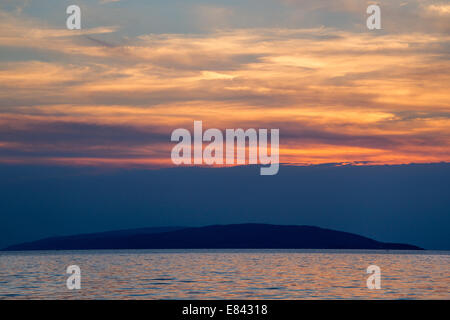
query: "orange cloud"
336, 96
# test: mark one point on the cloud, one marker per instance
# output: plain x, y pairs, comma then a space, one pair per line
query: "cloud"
210, 17
336, 95
108, 1
440, 9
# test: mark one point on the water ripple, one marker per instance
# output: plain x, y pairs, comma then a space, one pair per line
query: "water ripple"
224, 274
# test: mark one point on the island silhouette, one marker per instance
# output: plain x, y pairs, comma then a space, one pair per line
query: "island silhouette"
234, 236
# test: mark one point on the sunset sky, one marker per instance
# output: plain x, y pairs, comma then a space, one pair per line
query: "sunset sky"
112, 93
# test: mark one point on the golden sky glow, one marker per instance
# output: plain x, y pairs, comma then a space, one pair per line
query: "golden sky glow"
337, 95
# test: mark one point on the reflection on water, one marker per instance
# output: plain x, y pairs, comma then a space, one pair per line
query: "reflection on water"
224, 274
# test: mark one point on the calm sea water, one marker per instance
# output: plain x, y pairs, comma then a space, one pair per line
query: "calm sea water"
225, 274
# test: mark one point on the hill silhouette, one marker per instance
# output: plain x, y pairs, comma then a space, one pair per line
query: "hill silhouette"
237, 236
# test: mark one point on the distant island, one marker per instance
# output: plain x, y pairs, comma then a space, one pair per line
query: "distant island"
236, 236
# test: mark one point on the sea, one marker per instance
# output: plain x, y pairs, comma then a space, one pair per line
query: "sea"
225, 274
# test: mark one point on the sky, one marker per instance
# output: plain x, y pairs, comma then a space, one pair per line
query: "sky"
389, 203
111, 93
86, 115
